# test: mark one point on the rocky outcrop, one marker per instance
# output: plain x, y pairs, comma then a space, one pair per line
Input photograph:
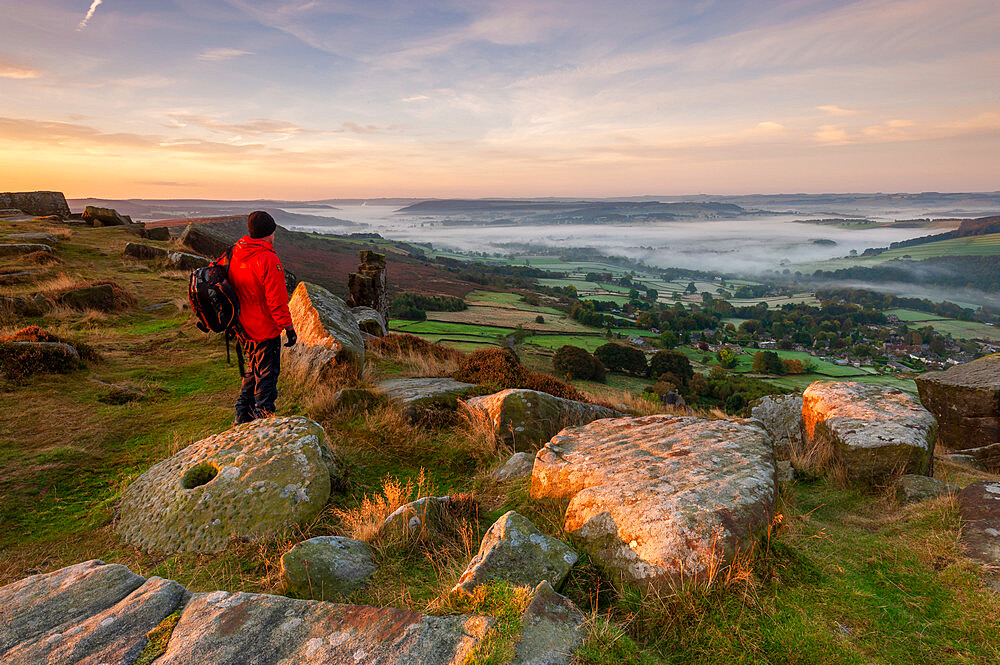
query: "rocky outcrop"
515, 551
34, 237
185, 261
177, 260
370, 321
36, 203
97, 613
160, 233
144, 252
871, 431
782, 418
367, 286
205, 241
661, 498
328, 333
552, 628
979, 505
326, 567
966, 402
524, 419
11, 249
105, 217
419, 395
253, 480
518, 466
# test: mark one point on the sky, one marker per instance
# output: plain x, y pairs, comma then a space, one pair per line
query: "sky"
312, 99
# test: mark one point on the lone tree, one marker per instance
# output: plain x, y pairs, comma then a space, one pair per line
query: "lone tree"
767, 362
621, 358
575, 363
671, 362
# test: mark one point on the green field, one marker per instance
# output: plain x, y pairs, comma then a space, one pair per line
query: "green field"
986, 245
909, 315
966, 329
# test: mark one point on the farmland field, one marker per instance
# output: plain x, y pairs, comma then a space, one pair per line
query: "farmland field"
985, 245
908, 315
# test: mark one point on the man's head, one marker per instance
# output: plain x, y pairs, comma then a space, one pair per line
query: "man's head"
260, 225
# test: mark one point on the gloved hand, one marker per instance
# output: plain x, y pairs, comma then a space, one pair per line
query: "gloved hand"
290, 336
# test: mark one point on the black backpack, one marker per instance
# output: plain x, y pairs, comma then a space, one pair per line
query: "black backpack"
215, 303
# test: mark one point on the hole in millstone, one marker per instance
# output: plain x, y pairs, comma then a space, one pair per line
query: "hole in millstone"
198, 475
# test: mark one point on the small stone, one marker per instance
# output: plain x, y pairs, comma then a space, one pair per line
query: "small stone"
518, 466
515, 551
425, 512
552, 629
327, 567
23, 248
914, 489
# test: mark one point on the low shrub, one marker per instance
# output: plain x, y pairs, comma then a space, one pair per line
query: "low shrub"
397, 344
501, 369
19, 360
576, 363
621, 358
549, 384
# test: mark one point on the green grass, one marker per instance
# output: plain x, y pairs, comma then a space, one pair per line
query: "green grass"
966, 329
447, 328
910, 315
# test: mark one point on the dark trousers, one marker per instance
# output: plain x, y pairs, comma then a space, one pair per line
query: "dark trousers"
260, 385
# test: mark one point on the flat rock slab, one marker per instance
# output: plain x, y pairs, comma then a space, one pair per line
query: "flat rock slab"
36, 203
327, 567
661, 498
515, 551
525, 419
33, 237
426, 393
138, 250
873, 431
979, 505
10, 249
39, 605
328, 333
253, 480
100, 297
966, 402
914, 489
94, 613
241, 628
782, 418
116, 635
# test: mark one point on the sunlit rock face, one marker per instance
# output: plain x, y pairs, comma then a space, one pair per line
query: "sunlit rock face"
524, 419
871, 432
966, 402
36, 203
253, 480
99, 613
782, 418
660, 499
328, 336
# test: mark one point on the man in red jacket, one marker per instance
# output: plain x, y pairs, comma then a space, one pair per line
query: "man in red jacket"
256, 274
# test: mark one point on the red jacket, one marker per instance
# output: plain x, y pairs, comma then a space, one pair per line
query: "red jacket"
256, 274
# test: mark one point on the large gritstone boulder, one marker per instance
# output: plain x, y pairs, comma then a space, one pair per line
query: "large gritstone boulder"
420, 396
253, 480
660, 499
99, 296
525, 419
515, 551
328, 333
39, 204
979, 505
105, 217
370, 321
205, 241
966, 402
870, 431
367, 286
95, 613
326, 567
782, 418
145, 252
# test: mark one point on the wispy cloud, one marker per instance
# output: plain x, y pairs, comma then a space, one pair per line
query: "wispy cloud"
833, 109
90, 14
14, 70
222, 53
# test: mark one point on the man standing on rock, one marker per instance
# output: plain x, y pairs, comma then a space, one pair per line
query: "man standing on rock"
256, 274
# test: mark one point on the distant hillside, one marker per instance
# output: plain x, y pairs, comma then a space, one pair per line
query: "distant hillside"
165, 209
478, 211
980, 226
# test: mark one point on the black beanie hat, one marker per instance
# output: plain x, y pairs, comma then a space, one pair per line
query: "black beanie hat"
260, 224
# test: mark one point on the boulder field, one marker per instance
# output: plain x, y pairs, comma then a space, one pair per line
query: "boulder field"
966, 402
94, 612
873, 432
660, 499
253, 480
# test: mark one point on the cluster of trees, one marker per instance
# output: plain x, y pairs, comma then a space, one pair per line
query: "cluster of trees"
414, 306
882, 301
974, 272
769, 362
572, 362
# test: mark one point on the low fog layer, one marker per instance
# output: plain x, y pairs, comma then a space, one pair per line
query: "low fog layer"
751, 245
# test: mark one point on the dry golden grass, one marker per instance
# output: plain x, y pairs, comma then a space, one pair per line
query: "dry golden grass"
363, 522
